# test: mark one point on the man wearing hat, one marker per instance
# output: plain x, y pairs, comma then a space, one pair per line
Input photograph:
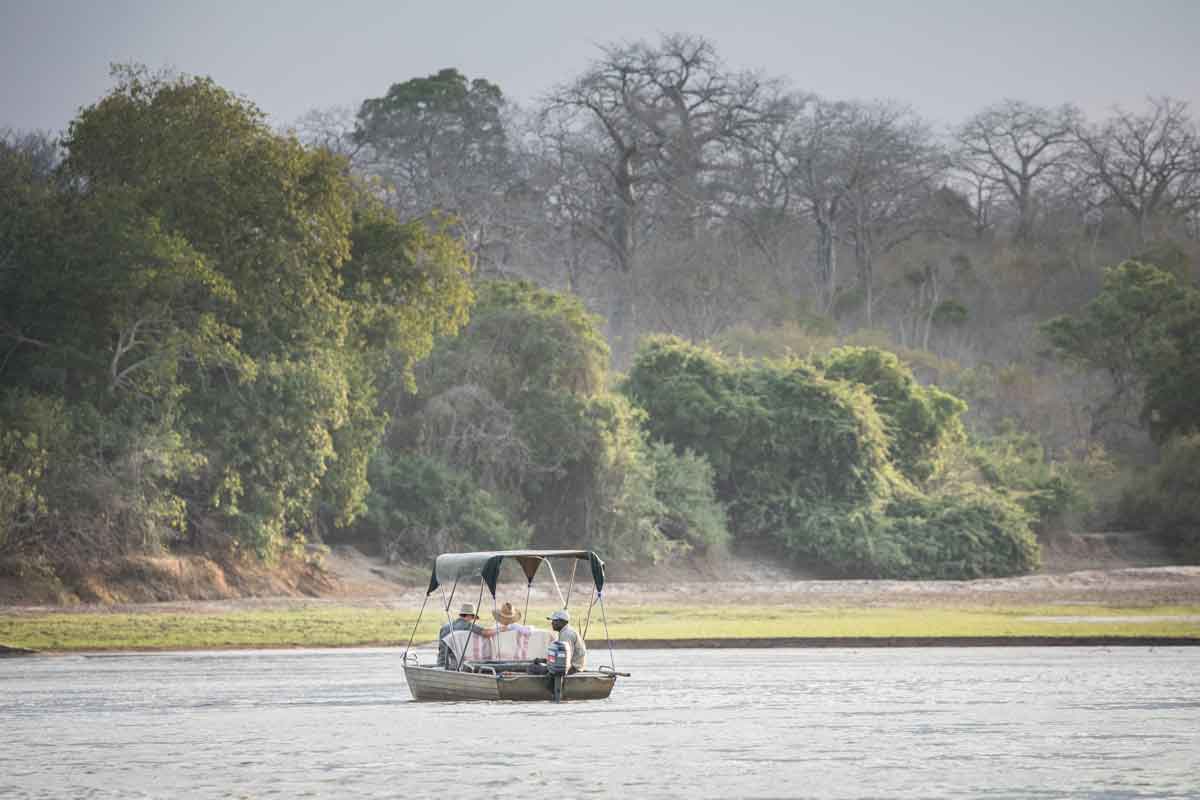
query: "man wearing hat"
465, 622
561, 622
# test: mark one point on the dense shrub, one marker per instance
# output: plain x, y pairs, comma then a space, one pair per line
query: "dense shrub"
1016, 465
1167, 499
806, 460
420, 507
518, 405
979, 534
921, 420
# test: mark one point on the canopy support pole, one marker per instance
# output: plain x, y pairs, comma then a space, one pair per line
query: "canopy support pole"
571, 585
528, 589
471, 630
588, 619
611, 661
415, 626
554, 578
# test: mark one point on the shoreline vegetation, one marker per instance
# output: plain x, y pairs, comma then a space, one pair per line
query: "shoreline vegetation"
636, 627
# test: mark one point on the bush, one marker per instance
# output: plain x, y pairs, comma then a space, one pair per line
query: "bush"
1016, 465
976, 535
1167, 499
683, 485
922, 421
420, 507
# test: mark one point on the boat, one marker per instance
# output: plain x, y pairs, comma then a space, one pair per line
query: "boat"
487, 673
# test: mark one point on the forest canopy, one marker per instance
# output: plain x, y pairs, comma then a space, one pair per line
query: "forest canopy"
673, 307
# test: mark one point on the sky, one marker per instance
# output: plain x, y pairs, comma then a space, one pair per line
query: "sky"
944, 58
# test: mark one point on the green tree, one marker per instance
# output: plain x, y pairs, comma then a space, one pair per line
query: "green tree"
441, 144
235, 301
921, 420
1142, 330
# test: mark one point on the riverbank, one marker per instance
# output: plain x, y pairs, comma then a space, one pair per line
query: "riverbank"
324, 625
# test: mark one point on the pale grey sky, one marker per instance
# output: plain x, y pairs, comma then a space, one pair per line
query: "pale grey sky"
945, 58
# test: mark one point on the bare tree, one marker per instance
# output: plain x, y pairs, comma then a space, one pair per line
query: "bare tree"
653, 126
1014, 146
331, 129
1148, 164
893, 167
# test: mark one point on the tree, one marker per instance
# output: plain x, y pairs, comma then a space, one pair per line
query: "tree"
1142, 330
1147, 164
205, 280
1017, 146
651, 126
895, 167
442, 144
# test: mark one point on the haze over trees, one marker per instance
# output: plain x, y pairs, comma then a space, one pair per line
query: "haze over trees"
421, 322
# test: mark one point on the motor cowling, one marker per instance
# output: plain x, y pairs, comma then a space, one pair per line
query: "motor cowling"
558, 658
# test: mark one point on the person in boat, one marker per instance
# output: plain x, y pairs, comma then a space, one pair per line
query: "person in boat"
509, 619
561, 622
465, 622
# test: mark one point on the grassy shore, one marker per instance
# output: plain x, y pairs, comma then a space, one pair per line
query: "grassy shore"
341, 627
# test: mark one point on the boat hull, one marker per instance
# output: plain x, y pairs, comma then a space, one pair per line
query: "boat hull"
432, 683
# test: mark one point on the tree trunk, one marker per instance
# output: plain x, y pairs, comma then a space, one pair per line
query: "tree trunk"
826, 261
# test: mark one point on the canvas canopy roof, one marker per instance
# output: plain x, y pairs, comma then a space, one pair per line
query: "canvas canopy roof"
450, 568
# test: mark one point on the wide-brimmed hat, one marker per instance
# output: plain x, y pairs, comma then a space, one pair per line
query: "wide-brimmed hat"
560, 614
467, 610
507, 615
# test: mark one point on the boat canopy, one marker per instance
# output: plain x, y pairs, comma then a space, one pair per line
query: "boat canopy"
451, 567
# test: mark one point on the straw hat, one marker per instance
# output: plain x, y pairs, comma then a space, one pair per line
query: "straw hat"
467, 610
507, 615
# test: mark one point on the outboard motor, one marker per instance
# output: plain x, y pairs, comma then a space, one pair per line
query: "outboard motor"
558, 661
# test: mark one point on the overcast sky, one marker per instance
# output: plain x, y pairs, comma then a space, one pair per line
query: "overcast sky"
946, 58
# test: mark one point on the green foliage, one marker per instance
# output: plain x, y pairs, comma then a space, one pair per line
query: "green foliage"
958, 537
1016, 464
921, 421
773, 429
807, 455
683, 485
1167, 498
518, 402
975, 535
219, 310
420, 507
1143, 330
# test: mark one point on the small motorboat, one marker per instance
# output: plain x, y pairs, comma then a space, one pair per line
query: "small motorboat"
508, 666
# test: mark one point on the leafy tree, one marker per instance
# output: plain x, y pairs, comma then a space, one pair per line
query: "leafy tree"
1167, 498
519, 402
921, 420
231, 301
777, 433
1142, 331
421, 507
441, 143
804, 459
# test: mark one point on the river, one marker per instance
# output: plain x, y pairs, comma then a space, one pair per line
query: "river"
921, 723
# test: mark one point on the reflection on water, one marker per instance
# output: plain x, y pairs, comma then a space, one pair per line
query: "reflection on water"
981, 722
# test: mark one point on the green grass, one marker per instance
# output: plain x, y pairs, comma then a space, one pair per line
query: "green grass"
334, 627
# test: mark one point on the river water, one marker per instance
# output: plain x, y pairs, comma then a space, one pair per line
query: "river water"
986, 722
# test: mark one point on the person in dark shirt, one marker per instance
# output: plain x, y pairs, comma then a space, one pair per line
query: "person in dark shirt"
465, 622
